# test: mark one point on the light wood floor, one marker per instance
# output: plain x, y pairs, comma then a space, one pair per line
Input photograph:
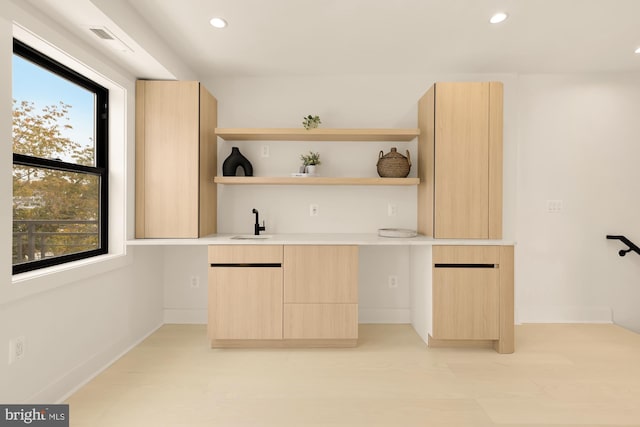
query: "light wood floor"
560, 375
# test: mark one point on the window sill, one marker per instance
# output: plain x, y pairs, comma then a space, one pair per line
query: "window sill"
33, 282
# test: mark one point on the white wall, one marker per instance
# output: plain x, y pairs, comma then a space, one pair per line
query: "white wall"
578, 142
78, 321
78, 329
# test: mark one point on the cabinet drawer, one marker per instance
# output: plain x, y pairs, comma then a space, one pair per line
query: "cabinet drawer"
320, 321
245, 254
466, 254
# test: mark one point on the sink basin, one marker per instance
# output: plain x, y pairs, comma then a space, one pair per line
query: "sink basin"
251, 237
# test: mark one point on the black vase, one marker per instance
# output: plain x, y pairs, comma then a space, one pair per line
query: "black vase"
234, 161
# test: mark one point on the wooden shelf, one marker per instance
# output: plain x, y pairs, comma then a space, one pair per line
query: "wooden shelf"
318, 180
301, 134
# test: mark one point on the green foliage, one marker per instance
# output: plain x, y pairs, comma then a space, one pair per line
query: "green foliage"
41, 194
310, 159
311, 122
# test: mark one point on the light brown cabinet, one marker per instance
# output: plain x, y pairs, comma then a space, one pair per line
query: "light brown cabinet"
245, 293
247, 303
472, 299
274, 295
460, 161
321, 292
175, 160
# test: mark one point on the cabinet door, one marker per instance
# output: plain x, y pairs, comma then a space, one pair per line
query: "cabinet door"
320, 274
466, 303
461, 160
466, 299
167, 156
175, 160
245, 303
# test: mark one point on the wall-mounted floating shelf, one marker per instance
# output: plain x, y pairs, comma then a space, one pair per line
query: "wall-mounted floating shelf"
320, 134
318, 180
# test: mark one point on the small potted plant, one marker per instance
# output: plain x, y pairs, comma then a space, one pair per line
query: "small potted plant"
310, 161
311, 122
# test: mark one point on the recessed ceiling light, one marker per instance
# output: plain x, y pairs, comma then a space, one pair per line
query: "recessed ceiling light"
498, 17
218, 22
638, 50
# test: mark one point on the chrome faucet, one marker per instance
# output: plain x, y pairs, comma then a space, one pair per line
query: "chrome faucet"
257, 227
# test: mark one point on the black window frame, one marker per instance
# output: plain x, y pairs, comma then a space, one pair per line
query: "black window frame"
100, 168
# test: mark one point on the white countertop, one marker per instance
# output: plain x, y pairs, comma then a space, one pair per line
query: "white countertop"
361, 239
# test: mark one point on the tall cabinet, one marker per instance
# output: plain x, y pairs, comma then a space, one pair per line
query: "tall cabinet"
460, 161
175, 160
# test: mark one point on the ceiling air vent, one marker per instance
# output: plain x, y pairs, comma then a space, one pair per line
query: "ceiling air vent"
110, 39
102, 33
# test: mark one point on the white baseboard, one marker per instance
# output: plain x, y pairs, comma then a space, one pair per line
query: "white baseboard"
564, 314
189, 316
384, 315
82, 374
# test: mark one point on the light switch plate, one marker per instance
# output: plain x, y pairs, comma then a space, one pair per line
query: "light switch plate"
554, 206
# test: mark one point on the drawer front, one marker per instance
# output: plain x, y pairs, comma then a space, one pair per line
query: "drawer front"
320, 321
245, 254
466, 254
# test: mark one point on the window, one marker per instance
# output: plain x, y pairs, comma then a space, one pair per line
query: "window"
60, 140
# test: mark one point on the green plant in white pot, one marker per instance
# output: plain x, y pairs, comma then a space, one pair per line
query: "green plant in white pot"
310, 161
311, 122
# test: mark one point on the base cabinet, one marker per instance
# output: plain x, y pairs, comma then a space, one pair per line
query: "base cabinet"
247, 302
321, 292
472, 298
278, 296
465, 303
245, 293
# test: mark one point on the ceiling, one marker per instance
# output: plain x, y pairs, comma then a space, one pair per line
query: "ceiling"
285, 37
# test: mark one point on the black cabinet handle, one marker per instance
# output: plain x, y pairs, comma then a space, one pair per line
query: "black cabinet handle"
466, 265
263, 265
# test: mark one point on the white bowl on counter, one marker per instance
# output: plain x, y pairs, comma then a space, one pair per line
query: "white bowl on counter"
396, 232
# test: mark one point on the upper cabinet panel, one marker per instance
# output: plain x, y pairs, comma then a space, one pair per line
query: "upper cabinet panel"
460, 148
175, 160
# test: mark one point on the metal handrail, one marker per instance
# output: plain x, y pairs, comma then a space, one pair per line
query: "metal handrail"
623, 239
36, 241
